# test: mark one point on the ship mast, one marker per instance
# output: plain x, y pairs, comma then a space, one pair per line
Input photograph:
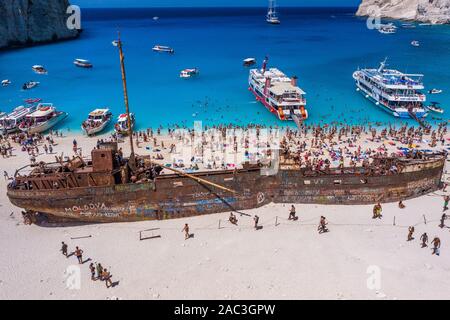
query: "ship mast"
132, 160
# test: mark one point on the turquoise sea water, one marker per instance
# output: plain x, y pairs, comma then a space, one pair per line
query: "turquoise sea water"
321, 46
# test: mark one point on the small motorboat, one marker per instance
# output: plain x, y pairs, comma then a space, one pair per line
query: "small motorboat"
435, 91
39, 69
82, 63
188, 73
159, 48
249, 62
121, 127
415, 43
389, 28
435, 107
96, 121
44, 118
6, 83
155, 18
115, 43
30, 85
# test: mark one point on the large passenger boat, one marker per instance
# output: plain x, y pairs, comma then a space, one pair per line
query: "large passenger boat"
278, 93
10, 123
96, 121
44, 118
395, 92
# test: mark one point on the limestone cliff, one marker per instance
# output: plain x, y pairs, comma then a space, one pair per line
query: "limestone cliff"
28, 22
430, 11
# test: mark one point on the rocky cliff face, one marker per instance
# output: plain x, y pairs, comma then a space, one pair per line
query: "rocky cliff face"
432, 11
28, 22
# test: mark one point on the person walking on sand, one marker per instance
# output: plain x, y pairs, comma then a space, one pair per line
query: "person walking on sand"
292, 213
410, 233
377, 209
186, 232
79, 255
92, 269
99, 271
107, 277
322, 225
256, 219
64, 248
233, 219
446, 200
424, 239
443, 217
436, 245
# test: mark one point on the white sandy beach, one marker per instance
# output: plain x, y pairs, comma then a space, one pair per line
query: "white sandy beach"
287, 261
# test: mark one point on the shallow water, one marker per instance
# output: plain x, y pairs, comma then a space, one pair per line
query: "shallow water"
321, 46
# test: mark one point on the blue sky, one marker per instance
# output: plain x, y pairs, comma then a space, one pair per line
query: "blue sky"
214, 3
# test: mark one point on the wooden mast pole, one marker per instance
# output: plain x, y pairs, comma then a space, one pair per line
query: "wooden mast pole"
200, 180
132, 160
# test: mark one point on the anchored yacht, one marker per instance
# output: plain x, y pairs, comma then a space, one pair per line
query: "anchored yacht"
272, 16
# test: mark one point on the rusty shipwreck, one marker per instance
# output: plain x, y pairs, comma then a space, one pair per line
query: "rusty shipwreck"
105, 189
110, 188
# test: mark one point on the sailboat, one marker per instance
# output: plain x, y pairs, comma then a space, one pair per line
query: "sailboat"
272, 16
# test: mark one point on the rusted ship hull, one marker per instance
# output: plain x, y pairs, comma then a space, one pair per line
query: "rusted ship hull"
175, 196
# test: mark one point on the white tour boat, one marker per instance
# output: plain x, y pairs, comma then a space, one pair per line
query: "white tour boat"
121, 127
44, 118
10, 123
159, 48
278, 93
6, 83
97, 121
272, 16
395, 92
189, 73
82, 63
